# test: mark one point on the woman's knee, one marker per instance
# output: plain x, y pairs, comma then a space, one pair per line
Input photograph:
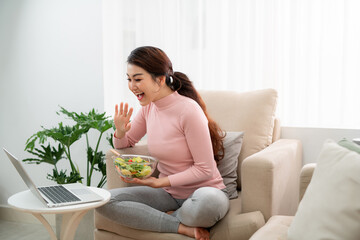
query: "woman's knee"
204, 208
211, 196
117, 196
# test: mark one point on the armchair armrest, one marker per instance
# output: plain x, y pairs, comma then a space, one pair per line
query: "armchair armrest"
270, 179
305, 177
113, 178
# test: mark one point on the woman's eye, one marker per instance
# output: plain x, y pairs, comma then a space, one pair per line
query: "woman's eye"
136, 80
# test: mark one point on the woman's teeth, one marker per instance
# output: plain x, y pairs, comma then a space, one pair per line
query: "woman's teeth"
140, 96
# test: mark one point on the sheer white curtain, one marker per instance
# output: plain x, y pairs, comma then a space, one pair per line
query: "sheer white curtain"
309, 50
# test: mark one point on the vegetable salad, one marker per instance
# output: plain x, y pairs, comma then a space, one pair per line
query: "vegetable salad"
135, 167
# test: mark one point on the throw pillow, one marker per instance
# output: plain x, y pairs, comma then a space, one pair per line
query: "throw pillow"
228, 165
331, 205
349, 145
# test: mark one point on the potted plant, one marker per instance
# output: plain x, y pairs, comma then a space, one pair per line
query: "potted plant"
55, 144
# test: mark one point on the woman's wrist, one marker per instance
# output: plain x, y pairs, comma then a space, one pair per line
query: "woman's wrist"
119, 134
163, 182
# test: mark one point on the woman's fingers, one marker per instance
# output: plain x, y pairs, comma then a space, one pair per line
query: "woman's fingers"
121, 108
130, 113
126, 109
116, 109
123, 112
128, 180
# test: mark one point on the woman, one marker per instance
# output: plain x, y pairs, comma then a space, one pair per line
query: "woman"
189, 195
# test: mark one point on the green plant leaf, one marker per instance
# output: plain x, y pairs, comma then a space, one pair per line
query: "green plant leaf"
66, 135
102, 166
62, 178
97, 158
110, 140
40, 136
48, 155
92, 119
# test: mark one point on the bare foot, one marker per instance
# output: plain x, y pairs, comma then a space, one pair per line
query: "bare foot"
195, 232
201, 234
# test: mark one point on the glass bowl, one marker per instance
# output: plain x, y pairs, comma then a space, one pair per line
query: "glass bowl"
131, 166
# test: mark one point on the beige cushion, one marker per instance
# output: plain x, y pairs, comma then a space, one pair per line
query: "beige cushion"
306, 174
256, 117
330, 208
275, 229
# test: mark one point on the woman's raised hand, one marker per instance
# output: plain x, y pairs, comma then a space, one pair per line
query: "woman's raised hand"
122, 119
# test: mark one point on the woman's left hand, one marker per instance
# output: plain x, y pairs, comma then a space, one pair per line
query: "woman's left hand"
151, 181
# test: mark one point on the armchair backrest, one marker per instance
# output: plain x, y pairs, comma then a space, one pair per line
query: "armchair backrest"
252, 112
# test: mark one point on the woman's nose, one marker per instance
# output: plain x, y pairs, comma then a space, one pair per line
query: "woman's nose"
132, 85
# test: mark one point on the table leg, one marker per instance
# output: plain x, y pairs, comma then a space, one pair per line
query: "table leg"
46, 225
70, 222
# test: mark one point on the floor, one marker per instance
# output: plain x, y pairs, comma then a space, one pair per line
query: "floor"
22, 231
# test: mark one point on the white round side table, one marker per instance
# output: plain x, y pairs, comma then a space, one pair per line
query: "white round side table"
25, 201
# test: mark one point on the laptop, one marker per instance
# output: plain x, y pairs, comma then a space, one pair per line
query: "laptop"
56, 195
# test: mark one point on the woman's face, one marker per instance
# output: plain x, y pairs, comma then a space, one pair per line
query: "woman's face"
142, 84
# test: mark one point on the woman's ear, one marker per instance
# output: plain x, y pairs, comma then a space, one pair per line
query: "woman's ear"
161, 80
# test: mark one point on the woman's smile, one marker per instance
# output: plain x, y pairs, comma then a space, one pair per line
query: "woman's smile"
140, 96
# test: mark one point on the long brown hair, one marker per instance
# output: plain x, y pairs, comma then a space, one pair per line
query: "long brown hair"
157, 63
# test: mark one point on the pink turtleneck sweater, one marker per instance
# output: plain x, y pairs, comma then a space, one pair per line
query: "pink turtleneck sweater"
178, 136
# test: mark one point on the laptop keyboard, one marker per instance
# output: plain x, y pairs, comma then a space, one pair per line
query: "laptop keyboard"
58, 194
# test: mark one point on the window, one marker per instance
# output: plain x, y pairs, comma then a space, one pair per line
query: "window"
308, 50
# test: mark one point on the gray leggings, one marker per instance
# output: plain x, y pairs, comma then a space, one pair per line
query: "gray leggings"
145, 208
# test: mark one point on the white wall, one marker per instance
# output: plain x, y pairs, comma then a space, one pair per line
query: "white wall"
312, 139
50, 55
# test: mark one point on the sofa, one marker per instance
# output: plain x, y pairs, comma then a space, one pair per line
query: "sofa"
329, 203
267, 168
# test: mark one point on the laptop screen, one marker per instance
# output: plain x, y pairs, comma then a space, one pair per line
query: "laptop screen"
24, 175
